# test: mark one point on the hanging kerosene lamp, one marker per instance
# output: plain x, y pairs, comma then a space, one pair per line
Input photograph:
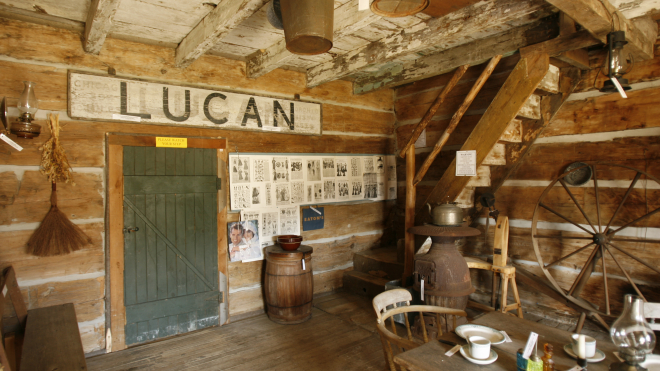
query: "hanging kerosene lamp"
616, 64
27, 107
632, 335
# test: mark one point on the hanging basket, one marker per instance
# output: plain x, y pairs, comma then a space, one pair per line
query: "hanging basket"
308, 25
398, 8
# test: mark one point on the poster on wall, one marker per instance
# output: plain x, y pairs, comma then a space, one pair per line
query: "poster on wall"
261, 181
244, 241
110, 98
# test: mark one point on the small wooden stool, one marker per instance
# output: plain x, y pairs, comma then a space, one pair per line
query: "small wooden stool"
499, 265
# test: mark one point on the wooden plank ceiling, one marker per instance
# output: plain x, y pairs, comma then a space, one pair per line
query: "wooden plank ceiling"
372, 51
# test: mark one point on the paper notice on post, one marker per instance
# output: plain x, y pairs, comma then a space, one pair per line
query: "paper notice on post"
466, 163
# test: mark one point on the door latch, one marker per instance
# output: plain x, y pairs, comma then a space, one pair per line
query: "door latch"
129, 230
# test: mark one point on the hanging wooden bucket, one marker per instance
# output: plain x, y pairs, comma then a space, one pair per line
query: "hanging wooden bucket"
288, 289
308, 25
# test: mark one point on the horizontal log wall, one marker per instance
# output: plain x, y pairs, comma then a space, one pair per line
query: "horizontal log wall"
590, 127
351, 124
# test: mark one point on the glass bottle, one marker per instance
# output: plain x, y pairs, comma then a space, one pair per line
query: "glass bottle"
631, 333
548, 363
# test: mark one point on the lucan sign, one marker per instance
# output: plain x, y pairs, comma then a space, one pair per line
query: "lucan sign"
110, 98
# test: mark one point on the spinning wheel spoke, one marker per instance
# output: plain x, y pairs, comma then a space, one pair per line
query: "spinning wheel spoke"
568, 256
625, 273
577, 204
593, 168
566, 237
635, 258
607, 295
635, 221
586, 266
623, 200
565, 218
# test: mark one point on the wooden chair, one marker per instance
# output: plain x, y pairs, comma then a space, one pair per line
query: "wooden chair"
394, 344
12, 343
652, 311
396, 303
499, 266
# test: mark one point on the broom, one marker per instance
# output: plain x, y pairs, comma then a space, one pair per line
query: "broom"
56, 235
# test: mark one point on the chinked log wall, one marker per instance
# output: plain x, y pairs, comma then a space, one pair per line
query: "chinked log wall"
590, 126
351, 124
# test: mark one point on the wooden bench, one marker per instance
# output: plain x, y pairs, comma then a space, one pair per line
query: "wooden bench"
47, 339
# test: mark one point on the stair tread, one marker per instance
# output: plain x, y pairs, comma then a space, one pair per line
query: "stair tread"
367, 277
383, 254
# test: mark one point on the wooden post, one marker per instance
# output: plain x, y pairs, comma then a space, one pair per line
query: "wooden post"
457, 117
434, 108
410, 215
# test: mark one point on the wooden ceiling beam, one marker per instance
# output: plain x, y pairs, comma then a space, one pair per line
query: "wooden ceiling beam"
99, 22
483, 19
578, 57
473, 53
347, 20
561, 46
212, 28
600, 16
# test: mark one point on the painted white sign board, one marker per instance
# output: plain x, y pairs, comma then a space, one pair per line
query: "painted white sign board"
110, 98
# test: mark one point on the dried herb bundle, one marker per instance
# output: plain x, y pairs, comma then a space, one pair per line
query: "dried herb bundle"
54, 163
56, 235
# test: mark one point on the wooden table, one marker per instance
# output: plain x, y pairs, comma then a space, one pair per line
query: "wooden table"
431, 356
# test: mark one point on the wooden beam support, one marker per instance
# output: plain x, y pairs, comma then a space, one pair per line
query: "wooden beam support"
579, 57
480, 20
409, 249
216, 25
473, 53
99, 22
457, 117
599, 17
560, 46
434, 107
517, 88
347, 21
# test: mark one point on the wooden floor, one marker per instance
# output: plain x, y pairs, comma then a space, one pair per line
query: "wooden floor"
340, 336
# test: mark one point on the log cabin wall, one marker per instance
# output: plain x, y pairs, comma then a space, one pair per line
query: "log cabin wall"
351, 124
591, 126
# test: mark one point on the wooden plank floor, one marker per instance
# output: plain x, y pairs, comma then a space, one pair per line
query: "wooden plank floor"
340, 336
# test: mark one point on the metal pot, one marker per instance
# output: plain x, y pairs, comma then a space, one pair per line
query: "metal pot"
447, 214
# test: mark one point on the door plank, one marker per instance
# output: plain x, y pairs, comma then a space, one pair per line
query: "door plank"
180, 162
190, 238
149, 161
128, 161
181, 270
209, 162
130, 290
170, 161
211, 237
199, 232
169, 243
199, 161
160, 161
134, 185
169, 255
161, 248
190, 161
165, 308
140, 161
140, 248
151, 249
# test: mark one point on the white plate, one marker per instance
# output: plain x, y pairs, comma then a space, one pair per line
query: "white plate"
465, 351
465, 331
652, 362
599, 356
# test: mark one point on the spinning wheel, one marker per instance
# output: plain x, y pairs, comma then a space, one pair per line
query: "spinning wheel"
601, 236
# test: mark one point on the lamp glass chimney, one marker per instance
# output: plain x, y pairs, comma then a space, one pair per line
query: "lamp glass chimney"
28, 103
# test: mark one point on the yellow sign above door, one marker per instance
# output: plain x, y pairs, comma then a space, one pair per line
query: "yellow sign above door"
171, 142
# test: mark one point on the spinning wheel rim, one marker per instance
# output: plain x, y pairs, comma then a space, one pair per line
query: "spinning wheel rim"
603, 236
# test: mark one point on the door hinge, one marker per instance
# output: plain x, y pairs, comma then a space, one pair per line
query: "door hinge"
218, 184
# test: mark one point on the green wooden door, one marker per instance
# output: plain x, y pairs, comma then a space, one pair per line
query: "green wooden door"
171, 261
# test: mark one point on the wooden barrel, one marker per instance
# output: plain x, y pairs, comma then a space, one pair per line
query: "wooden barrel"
288, 289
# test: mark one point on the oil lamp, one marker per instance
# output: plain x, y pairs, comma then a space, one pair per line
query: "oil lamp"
632, 334
27, 107
616, 64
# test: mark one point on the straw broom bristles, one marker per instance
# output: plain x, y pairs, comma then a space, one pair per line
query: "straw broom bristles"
56, 235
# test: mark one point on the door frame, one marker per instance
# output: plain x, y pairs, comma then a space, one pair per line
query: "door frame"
115, 308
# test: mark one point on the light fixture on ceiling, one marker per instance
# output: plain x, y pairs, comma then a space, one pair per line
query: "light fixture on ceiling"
398, 8
27, 107
616, 64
